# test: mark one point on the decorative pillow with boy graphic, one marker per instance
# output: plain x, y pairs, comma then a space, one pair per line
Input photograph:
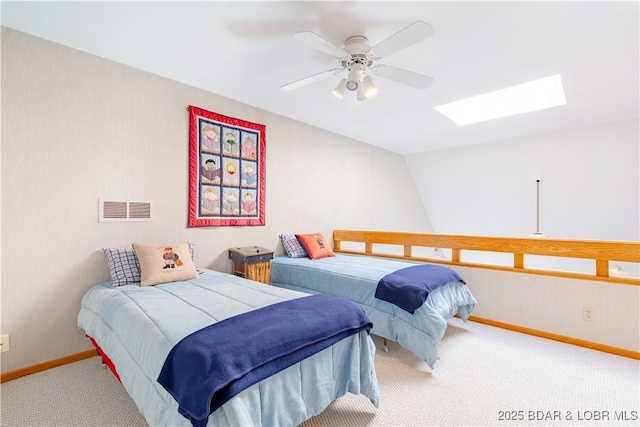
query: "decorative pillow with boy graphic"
316, 245
164, 263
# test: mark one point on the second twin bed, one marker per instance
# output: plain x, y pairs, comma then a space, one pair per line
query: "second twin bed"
356, 278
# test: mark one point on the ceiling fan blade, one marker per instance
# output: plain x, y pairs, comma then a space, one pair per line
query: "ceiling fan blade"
320, 44
311, 79
404, 38
409, 78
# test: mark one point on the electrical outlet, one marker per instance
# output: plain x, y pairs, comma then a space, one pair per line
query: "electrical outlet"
4, 343
588, 313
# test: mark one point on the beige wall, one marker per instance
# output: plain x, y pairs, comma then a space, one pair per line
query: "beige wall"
76, 128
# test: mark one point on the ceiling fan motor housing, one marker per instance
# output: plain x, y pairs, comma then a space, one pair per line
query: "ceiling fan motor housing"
358, 60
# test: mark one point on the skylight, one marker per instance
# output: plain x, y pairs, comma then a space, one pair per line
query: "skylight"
523, 98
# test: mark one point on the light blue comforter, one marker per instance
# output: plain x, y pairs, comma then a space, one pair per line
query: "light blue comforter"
356, 278
137, 327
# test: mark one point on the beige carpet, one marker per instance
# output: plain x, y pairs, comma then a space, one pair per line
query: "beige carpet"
486, 377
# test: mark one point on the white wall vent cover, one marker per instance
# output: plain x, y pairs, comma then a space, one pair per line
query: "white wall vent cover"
124, 211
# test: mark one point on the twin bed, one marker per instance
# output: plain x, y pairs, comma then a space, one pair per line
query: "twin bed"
356, 278
136, 327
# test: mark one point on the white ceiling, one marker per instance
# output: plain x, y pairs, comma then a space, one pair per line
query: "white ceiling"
244, 51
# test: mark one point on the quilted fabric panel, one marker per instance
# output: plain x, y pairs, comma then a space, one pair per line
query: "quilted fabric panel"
292, 246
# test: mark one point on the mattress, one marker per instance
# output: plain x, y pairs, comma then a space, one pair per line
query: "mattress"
356, 278
136, 327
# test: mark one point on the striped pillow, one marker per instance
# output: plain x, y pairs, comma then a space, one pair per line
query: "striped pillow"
124, 267
292, 246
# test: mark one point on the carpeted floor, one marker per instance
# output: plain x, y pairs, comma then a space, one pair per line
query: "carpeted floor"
486, 377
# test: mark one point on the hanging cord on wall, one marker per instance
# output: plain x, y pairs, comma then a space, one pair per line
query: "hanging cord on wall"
537, 206
538, 233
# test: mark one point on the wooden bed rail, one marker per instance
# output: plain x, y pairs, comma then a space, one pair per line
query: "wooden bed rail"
601, 251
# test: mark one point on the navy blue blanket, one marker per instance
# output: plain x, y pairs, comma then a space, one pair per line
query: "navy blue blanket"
408, 288
210, 366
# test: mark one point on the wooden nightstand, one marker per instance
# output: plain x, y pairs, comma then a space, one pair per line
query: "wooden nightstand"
252, 262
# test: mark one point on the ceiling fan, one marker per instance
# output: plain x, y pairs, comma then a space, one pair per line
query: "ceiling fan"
358, 58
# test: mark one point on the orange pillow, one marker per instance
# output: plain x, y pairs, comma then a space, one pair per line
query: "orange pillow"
316, 245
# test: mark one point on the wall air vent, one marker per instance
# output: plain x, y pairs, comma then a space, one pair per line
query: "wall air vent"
124, 211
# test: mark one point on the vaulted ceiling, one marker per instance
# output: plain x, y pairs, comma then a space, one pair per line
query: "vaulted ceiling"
245, 51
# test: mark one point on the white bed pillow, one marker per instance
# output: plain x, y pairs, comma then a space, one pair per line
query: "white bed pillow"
164, 263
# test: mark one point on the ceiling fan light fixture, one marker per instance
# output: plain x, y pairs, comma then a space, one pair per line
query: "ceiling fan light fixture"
362, 96
369, 88
355, 75
338, 91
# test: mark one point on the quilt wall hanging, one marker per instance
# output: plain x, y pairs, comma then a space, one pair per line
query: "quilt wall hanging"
226, 170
